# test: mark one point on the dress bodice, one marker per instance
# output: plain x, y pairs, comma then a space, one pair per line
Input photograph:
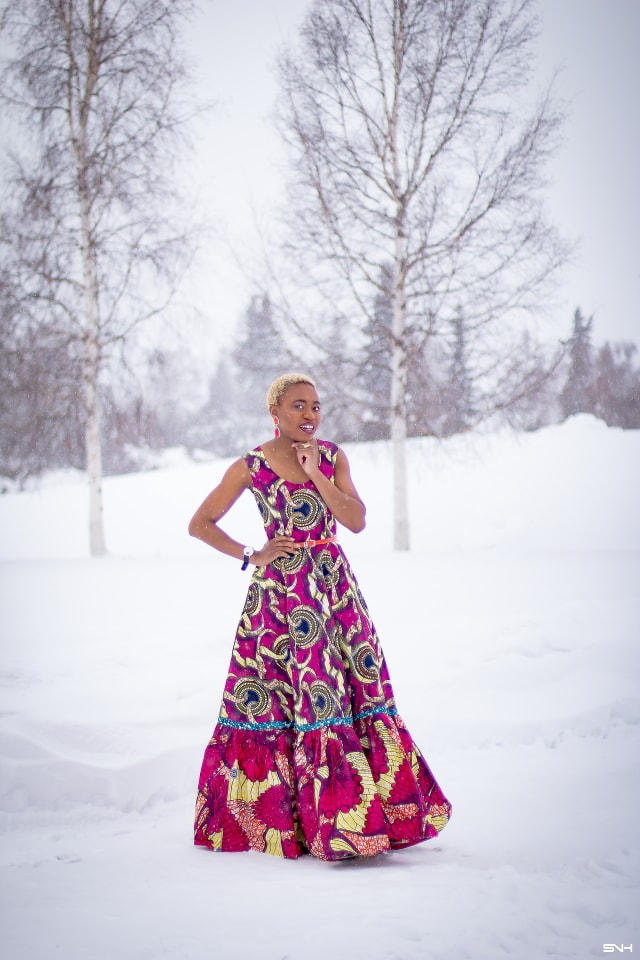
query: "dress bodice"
292, 509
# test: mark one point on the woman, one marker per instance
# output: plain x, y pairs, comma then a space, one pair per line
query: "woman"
309, 753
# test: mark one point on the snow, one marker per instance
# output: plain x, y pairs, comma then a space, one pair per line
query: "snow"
511, 631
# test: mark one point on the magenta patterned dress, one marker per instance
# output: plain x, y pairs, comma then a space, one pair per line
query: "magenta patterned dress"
309, 754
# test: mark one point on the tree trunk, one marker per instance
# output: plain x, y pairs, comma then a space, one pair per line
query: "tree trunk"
92, 360
79, 114
399, 366
399, 404
93, 448
399, 447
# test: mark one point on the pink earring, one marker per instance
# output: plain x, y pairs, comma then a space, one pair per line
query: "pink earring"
276, 432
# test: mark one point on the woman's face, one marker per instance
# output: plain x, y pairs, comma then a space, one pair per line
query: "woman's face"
298, 411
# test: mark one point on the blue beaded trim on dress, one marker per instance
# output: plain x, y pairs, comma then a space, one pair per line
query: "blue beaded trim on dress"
305, 727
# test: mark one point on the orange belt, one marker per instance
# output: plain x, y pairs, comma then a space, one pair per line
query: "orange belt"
317, 543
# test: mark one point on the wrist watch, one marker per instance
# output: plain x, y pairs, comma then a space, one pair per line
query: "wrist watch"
247, 553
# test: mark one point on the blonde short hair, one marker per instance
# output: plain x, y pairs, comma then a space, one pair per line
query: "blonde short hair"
278, 387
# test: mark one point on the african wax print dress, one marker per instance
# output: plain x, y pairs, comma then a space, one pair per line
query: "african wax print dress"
309, 754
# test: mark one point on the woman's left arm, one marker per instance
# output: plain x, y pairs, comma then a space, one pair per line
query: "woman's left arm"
340, 496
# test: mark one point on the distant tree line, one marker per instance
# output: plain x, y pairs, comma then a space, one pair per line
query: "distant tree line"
444, 393
42, 424
148, 408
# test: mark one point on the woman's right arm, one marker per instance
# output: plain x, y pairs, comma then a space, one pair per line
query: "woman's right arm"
204, 522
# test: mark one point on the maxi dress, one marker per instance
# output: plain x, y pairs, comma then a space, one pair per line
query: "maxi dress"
309, 754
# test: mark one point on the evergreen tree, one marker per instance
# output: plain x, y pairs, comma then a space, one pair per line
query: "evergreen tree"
616, 385
216, 424
260, 355
40, 426
376, 367
342, 404
606, 384
235, 416
576, 394
459, 389
429, 389
261, 341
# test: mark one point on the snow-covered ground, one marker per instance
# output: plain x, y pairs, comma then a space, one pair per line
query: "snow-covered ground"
511, 630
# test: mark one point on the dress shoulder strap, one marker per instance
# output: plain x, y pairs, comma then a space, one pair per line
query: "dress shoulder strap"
328, 454
254, 459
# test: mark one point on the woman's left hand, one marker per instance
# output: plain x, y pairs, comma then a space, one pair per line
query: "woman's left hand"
308, 455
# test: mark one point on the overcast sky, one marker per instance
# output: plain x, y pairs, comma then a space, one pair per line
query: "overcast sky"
595, 195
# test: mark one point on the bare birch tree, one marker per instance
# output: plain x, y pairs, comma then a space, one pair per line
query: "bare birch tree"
90, 230
416, 147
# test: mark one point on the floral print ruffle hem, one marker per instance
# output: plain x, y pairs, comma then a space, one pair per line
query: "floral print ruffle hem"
332, 792
309, 754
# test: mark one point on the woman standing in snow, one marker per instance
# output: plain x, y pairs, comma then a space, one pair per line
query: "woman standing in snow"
309, 753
